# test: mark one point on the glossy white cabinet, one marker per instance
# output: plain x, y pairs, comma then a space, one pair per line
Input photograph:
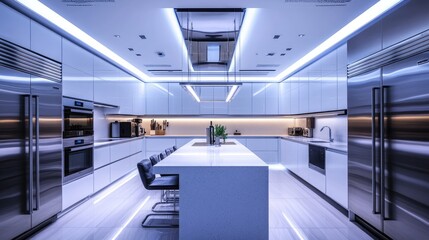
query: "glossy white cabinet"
342, 77
182, 141
77, 190
258, 98
303, 92
206, 96
101, 178
294, 95
219, 97
78, 84
289, 155
119, 151
156, 98
190, 106
302, 162
337, 177
329, 91
175, 92
272, 99
77, 57
242, 102
45, 42
314, 88
316, 179
101, 156
284, 97
264, 148
139, 98
14, 26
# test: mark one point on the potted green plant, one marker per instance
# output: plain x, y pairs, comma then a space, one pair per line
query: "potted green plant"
220, 132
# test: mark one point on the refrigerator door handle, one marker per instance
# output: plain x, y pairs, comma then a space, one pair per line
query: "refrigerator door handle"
28, 105
37, 170
382, 154
373, 153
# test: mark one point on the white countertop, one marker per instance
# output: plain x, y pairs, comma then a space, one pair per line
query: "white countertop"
206, 156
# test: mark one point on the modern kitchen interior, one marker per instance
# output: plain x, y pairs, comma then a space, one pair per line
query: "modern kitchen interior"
214, 119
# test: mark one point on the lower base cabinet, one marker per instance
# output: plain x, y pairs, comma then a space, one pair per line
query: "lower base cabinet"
101, 178
337, 177
77, 190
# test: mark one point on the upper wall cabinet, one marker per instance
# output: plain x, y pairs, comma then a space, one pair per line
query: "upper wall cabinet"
77, 57
189, 104
206, 96
258, 98
175, 99
156, 98
272, 99
219, 104
45, 42
284, 97
77, 84
242, 102
14, 27
342, 76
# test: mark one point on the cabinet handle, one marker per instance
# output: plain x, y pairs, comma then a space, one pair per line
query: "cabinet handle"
373, 153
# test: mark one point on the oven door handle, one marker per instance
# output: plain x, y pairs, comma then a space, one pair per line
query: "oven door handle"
79, 111
74, 149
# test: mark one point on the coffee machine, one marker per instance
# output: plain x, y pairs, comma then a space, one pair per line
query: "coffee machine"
308, 130
139, 130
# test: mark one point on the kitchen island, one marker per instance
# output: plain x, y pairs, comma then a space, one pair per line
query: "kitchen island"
223, 191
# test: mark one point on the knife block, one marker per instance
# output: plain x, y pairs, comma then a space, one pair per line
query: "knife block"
159, 132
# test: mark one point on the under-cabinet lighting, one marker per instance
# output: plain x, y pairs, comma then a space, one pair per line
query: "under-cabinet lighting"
130, 218
377, 10
70, 28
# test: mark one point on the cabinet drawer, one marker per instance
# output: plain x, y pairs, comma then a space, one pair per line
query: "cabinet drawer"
119, 151
77, 190
101, 178
101, 156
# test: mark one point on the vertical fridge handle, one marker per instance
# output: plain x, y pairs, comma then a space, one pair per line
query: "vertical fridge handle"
28, 104
382, 155
373, 153
37, 170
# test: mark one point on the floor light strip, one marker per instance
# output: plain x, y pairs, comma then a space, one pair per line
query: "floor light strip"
294, 227
130, 218
115, 187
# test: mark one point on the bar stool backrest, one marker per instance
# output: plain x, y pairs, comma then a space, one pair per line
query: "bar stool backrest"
146, 172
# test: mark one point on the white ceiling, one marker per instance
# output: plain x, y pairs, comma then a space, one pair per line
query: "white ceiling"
131, 18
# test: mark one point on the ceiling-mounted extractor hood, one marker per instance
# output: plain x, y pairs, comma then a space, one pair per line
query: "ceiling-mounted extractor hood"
194, 88
210, 36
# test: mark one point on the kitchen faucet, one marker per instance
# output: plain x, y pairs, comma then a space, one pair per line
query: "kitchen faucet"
330, 133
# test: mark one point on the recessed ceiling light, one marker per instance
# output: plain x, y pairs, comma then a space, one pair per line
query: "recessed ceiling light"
138, 54
288, 49
301, 35
160, 54
270, 54
282, 54
276, 37
142, 36
131, 49
117, 36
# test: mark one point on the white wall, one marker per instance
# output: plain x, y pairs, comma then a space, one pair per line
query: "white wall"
101, 124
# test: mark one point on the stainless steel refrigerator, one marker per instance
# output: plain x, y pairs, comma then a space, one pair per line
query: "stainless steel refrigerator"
388, 143
30, 140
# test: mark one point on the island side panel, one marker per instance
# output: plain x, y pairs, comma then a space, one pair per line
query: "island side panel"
224, 203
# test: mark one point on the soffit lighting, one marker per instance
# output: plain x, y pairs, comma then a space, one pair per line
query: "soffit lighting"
59, 21
233, 88
375, 11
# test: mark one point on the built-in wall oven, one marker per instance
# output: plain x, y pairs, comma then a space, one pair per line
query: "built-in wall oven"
78, 157
316, 158
78, 118
78, 138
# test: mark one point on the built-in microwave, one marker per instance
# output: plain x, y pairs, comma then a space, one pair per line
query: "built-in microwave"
78, 118
78, 157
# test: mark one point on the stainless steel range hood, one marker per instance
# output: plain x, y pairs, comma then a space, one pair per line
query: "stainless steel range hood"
210, 36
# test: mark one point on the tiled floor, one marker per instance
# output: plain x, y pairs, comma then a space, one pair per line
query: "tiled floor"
296, 212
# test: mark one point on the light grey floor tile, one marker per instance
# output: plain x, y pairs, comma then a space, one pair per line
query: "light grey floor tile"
295, 212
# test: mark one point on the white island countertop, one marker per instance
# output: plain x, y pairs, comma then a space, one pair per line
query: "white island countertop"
223, 191
227, 155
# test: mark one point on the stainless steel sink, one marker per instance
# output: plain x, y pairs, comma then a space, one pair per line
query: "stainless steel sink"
318, 141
